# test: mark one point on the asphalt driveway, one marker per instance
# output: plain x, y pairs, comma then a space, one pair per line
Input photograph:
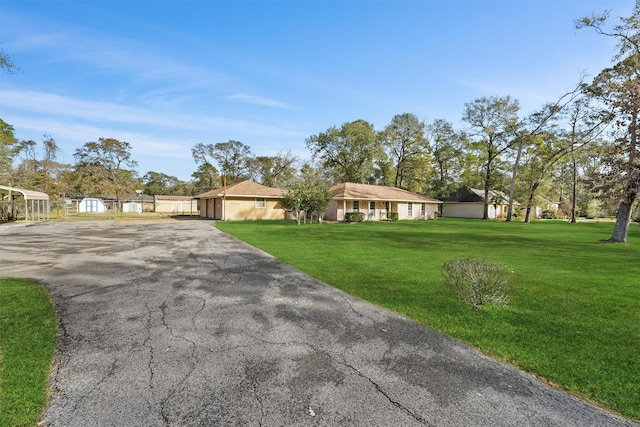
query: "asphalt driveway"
176, 323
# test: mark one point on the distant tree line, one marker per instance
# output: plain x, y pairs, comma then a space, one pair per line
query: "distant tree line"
583, 150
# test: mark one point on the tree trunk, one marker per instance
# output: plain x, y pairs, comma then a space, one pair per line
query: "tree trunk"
574, 201
487, 186
513, 181
623, 218
532, 195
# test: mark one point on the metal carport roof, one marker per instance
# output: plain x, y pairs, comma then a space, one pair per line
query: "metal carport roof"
27, 194
36, 203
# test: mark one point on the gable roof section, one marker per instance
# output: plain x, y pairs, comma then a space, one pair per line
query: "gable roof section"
243, 189
477, 195
352, 191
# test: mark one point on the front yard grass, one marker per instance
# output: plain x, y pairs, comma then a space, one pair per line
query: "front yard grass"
28, 331
574, 315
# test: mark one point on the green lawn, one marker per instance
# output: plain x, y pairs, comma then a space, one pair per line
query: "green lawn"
574, 317
27, 341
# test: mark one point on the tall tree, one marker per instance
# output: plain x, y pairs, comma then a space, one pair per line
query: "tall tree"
8, 149
618, 89
349, 152
490, 120
102, 164
446, 151
275, 171
538, 124
405, 140
206, 177
49, 164
161, 183
233, 159
584, 126
543, 152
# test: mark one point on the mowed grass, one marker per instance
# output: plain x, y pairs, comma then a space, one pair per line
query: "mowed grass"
28, 332
574, 316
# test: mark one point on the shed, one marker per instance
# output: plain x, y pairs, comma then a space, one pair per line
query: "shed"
135, 207
91, 205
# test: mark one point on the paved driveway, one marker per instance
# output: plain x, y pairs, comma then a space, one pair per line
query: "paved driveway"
177, 323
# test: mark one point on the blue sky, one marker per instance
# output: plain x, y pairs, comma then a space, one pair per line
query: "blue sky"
164, 75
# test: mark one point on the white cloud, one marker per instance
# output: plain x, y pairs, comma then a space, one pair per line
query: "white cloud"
258, 100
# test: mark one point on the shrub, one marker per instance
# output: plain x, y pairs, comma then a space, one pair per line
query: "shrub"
394, 216
548, 214
354, 217
478, 282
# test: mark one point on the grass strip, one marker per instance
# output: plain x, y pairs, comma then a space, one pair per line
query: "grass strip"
574, 316
28, 330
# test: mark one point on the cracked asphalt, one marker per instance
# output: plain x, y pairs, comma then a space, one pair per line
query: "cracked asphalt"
176, 323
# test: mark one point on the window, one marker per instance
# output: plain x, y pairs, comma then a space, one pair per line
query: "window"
372, 206
261, 202
423, 209
356, 206
409, 209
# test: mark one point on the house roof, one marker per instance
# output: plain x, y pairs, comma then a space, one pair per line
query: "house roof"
352, 191
477, 195
163, 197
243, 189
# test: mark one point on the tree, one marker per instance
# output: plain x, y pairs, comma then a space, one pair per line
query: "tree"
405, 140
6, 63
537, 124
8, 149
101, 166
275, 171
308, 193
294, 200
543, 152
206, 176
446, 151
318, 198
618, 89
491, 120
161, 183
349, 152
233, 159
584, 126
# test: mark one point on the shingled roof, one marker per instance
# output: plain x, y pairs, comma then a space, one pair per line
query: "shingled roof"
243, 189
172, 198
352, 191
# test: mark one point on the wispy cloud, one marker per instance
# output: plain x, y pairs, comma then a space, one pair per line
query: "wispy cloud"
47, 111
258, 100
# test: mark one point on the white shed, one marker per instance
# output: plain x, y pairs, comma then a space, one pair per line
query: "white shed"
135, 207
92, 205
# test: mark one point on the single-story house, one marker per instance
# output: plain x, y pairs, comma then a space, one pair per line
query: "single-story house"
377, 202
92, 205
177, 205
243, 200
469, 203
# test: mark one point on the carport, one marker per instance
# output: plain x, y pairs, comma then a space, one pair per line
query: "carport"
18, 202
